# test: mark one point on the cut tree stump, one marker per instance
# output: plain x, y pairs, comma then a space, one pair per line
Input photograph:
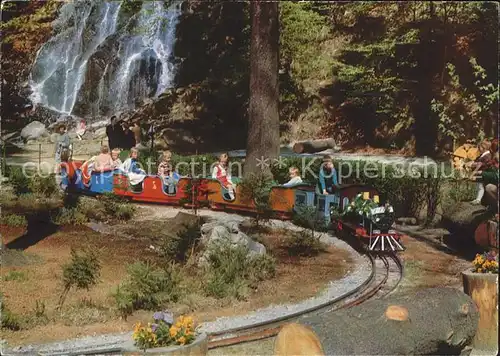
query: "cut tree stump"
433, 321
313, 146
486, 234
483, 289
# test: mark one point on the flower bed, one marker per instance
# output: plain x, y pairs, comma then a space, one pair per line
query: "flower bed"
485, 263
163, 331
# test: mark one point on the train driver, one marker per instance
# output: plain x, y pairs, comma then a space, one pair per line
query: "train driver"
327, 181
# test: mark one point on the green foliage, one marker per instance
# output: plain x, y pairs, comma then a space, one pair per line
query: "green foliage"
116, 207
147, 287
81, 272
231, 272
256, 188
9, 320
15, 276
181, 246
308, 218
304, 244
13, 220
18, 180
462, 110
70, 216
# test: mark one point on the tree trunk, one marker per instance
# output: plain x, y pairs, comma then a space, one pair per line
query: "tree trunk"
313, 146
483, 289
435, 321
263, 128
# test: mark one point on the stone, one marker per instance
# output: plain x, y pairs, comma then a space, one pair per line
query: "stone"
98, 124
396, 312
33, 131
100, 133
53, 137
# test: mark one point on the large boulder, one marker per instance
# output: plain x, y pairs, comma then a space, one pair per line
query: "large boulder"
227, 233
33, 131
100, 133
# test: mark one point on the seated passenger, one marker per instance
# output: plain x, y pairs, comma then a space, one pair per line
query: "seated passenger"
223, 175
295, 178
327, 181
131, 167
103, 161
117, 162
480, 164
167, 173
86, 169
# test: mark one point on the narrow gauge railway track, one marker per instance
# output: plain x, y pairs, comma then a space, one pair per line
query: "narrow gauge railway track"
387, 272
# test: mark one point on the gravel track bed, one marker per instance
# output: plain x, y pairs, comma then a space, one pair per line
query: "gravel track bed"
359, 274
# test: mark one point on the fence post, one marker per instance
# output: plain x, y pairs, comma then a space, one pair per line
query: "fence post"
39, 155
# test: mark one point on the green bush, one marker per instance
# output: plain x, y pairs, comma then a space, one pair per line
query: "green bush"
82, 272
13, 220
44, 186
304, 244
231, 272
147, 287
70, 216
116, 207
257, 188
18, 180
9, 320
307, 217
179, 247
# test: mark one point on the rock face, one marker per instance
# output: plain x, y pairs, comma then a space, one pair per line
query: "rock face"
227, 232
435, 321
100, 133
33, 131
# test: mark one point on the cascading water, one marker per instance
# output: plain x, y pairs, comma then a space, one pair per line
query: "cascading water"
104, 59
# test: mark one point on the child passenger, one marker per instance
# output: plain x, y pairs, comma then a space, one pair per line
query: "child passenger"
135, 174
223, 175
327, 176
480, 164
167, 173
115, 158
103, 161
294, 177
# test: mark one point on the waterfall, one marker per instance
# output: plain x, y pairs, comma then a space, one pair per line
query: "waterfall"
105, 58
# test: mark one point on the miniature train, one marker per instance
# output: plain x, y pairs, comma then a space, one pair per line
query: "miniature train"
207, 192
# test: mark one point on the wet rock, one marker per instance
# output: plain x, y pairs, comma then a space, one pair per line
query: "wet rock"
100, 133
98, 124
33, 131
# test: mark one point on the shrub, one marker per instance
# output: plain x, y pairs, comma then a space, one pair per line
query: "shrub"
9, 320
300, 244
147, 287
13, 220
178, 247
116, 206
18, 180
82, 272
257, 189
307, 217
231, 271
44, 186
70, 216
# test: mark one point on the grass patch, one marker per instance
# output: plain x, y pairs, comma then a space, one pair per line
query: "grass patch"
18, 276
18, 258
13, 220
9, 320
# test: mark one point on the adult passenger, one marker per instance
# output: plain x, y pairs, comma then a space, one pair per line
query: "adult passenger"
114, 132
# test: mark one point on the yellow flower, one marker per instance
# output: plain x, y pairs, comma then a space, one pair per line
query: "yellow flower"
173, 331
188, 320
480, 270
137, 327
182, 340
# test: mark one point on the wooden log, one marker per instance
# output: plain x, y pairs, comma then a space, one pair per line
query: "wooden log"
433, 321
486, 234
464, 218
313, 146
483, 288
